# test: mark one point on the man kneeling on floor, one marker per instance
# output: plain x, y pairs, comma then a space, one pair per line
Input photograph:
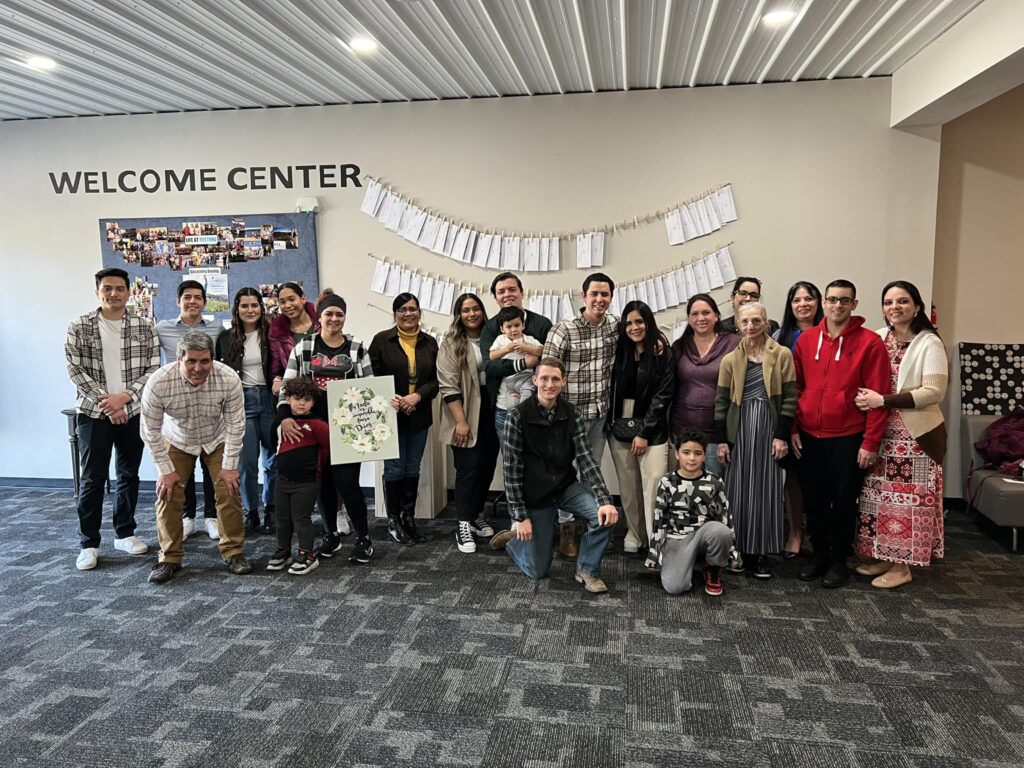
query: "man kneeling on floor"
544, 436
190, 408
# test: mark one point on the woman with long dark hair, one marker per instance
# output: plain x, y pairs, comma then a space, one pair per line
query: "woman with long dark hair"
408, 354
295, 319
900, 521
246, 349
467, 418
803, 311
698, 355
642, 382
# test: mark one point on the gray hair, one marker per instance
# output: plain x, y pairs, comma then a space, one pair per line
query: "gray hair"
751, 307
194, 341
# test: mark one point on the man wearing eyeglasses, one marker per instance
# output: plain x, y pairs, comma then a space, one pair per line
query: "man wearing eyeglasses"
744, 291
834, 440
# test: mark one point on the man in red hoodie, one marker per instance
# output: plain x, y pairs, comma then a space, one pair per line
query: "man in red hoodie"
834, 440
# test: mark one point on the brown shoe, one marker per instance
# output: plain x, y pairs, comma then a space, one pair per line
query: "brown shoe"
163, 572
237, 564
500, 539
591, 583
567, 540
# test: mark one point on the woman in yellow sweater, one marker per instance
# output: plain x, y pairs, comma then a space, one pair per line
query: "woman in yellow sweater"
901, 503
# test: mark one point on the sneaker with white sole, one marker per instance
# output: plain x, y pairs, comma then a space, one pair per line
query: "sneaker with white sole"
630, 546
464, 537
212, 528
188, 527
280, 560
480, 527
304, 563
132, 545
87, 559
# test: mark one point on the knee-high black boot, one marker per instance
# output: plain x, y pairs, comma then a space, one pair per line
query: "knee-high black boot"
410, 486
393, 506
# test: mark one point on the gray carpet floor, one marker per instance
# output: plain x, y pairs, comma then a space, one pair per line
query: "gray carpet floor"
429, 657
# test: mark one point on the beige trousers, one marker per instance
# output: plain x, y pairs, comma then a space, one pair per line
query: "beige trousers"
638, 486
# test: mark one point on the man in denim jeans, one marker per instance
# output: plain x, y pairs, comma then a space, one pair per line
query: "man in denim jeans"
544, 436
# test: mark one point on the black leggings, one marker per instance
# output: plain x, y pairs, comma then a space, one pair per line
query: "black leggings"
343, 480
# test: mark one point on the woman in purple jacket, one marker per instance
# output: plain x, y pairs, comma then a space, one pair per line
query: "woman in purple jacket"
297, 317
698, 353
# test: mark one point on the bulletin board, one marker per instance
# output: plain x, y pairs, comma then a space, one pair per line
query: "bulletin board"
224, 253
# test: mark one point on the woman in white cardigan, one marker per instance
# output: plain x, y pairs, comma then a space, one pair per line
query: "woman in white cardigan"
900, 521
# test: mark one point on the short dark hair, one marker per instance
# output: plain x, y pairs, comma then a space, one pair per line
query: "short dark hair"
551, 362
745, 279
840, 283
112, 272
508, 314
501, 278
599, 277
184, 285
301, 387
690, 435
402, 299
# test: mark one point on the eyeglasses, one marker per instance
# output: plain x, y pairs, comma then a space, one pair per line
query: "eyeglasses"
833, 300
408, 311
748, 295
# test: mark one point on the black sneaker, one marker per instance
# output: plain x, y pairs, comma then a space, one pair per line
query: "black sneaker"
331, 543
361, 552
762, 570
280, 560
304, 563
464, 537
480, 527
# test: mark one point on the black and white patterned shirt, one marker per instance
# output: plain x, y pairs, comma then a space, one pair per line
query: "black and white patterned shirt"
588, 353
140, 357
683, 505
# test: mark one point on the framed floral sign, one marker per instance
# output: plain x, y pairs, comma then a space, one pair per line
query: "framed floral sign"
364, 426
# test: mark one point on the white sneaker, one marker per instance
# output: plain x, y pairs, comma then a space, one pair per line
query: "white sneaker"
630, 546
86, 559
132, 545
344, 527
212, 529
188, 527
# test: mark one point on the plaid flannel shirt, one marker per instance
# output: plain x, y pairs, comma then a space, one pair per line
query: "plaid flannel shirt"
140, 357
300, 360
512, 448
588, 353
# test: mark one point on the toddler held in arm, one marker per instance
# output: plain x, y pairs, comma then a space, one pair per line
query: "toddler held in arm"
513, 344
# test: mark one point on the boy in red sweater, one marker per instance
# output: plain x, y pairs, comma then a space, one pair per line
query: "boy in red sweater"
833, 439
298, 478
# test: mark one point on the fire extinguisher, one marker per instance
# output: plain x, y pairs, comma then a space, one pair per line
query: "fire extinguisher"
935, 316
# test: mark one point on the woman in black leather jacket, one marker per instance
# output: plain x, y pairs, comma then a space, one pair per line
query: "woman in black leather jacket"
643, 381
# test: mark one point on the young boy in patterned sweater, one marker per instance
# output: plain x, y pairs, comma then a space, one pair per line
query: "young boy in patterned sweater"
299, 465
691, 519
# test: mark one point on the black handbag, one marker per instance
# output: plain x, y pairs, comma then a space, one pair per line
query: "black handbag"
624, 430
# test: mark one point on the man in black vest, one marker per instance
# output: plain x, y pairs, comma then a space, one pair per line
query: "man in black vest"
544, 436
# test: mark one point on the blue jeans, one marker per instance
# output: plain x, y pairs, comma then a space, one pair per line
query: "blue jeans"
410, 454
534, 557
259, 434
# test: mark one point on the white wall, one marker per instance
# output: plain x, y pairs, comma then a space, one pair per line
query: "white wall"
824, 189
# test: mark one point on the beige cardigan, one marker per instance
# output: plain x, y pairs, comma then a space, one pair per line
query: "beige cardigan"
920, 387
455, 380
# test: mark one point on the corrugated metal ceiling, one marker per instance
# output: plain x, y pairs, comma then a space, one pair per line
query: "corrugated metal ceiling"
118, 57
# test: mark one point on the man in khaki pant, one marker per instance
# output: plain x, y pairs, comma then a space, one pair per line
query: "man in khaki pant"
190, 408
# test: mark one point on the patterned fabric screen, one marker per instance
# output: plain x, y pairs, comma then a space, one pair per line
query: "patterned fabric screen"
991, 378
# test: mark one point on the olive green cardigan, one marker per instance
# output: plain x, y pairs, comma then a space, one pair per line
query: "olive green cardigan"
779, 380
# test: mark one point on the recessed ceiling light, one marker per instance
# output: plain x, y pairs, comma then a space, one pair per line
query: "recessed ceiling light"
40, 62
778, 18
362, 45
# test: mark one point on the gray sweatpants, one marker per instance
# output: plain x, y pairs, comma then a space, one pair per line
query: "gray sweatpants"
713, 540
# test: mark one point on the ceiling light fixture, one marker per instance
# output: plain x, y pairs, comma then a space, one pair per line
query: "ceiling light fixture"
362, 45
42, 63
778, 18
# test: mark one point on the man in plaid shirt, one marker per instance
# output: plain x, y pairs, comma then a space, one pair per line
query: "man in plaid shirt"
110, 356
586, 346
544, 436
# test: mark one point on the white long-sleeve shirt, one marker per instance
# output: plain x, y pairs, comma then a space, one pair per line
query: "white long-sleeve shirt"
193, 419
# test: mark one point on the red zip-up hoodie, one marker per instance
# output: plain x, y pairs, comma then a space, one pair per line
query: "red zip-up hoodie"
828, 374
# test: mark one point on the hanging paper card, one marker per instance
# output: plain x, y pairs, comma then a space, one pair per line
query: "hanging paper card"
659, 294
449, 240
391, 286
536, 305
448, 299
549, 307
630, 293
565, 308
440, 236
714, 273
689, 228
363, 425
691, 281
554, 257
597, 249
372, 199
510, 247
404, 279
726, 204
616, 305
395, 215
583, 251
531, 254
641, 293
668, 284
483, 247
679, 278
701, 272
702, 211
426, 294
652, 295
380, 275
725, 264
698, 222
414, 284
542, 256
429, 233
384, 209
712, 211
678, 329
412, 224
494, 253
674, 227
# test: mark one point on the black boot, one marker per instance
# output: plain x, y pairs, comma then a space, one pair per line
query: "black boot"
393, 506
269, 523
410, 486
252, 522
